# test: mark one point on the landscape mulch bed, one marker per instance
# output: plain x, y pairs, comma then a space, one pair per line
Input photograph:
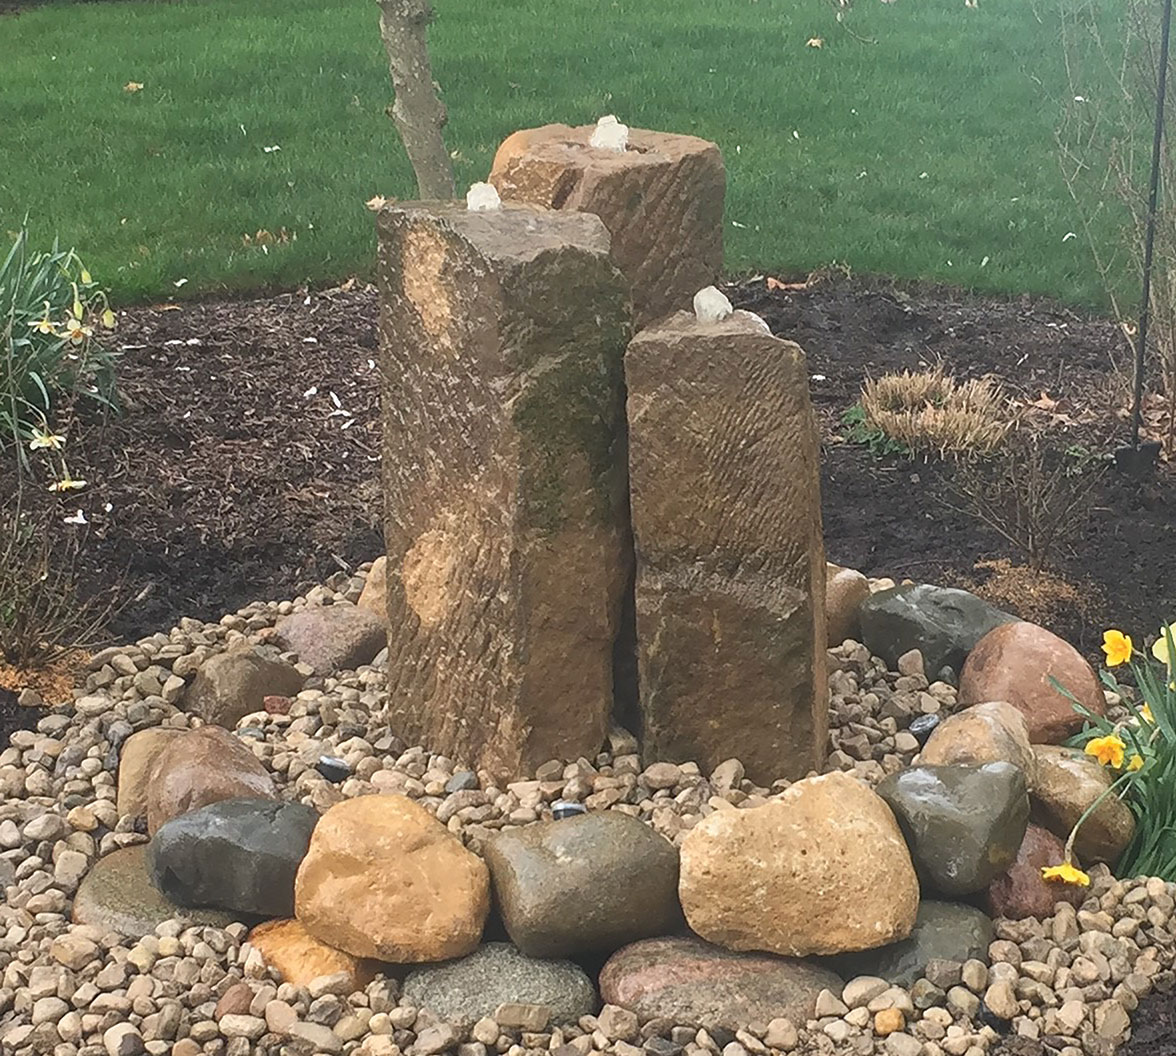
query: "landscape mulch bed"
246, 462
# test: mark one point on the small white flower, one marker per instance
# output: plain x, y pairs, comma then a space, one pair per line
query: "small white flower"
77, 518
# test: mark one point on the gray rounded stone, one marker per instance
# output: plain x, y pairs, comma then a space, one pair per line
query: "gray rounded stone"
585, 884
465, 990
943, 623
963, 824
943, 931
238, 854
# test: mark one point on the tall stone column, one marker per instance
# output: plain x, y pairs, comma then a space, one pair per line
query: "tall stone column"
725, 494
661, 200
502, 339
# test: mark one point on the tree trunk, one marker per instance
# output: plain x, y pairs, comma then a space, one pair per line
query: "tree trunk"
418, 112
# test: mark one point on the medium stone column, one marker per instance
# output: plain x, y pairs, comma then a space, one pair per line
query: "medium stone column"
661, 200
502, 339
726, 511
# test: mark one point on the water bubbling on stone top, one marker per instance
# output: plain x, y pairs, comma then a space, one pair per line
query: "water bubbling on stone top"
483, 198
610, 134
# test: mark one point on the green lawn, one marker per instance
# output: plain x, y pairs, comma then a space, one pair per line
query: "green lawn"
925, 154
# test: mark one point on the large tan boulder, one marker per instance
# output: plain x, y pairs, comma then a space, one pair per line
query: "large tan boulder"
823, 869
1068, 782
730, 587
845, 590
135, 760
200, 767
994, 732
233, 684
384, 879
661, 200
298, 957
1019, 663
502, 335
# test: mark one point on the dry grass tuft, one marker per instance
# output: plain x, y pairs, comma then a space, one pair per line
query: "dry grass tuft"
930, 412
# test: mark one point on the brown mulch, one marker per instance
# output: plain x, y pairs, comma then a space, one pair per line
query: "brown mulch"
245, 465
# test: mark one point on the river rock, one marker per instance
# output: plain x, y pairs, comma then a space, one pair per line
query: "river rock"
1019, 663
231, 685
238, 854
333, 637
298, 957
464, 991
1021, 891
845, 590
200, 767
943, 623
1068, 782
822, 869
384, 879
994, 732
135, 760
963, 825
587, 884
692, 983
374, 598
943, 931
118, 895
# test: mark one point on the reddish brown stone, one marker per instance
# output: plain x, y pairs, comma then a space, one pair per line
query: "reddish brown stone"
200, 767
661, 200
332, 637
502, 340
1018, 663
730, 588
1021, 892
275, 705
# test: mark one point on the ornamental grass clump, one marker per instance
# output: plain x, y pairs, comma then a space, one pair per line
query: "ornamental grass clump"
1140, 753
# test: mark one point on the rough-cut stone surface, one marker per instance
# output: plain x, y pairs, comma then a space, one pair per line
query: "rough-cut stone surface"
943, 931
1022, 892
661, 200
943, 623
239, 854
1018, 663
823, 869
730, 569
374, 598
231, 685
502, 338
466, 990
385, 879
118, 895
587, 884
994, 732
291, 950
963, 825
135, 760
689, 982
1068, 782
845, 591
203, 766
332, 637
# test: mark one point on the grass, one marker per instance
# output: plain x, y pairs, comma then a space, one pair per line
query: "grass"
927, 154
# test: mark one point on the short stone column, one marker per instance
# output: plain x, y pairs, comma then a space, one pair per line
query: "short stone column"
502, 338
725, 493
661, 200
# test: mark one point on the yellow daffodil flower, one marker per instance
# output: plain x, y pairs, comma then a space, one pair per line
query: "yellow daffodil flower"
1136, 762
1146, 713
42, 326
1117, 646
42, 440
1107, 750
1160, 646
108, 319
1065, 874
67, 483
76, 331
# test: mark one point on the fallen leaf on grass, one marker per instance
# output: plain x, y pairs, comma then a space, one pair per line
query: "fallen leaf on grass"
131, 87
1044, 403
815, 42
776, 284
376, 203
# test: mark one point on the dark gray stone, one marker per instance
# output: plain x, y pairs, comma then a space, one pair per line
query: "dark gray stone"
963, 824
689, 982
943, 931
943, 623
586, 884
462, 781
238, 854
463, 991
